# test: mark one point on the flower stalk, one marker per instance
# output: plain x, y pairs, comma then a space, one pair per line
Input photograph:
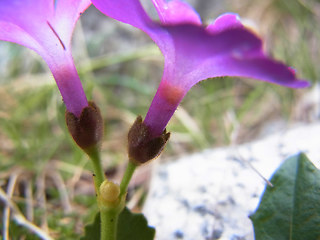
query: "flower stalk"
109, 224
98, 175
131, 167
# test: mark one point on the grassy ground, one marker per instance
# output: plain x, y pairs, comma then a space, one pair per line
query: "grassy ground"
49, 179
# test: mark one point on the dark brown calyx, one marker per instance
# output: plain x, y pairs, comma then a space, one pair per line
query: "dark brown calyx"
86, 130
141, 147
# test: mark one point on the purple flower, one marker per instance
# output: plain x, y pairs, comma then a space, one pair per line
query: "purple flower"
193, 52
46, 26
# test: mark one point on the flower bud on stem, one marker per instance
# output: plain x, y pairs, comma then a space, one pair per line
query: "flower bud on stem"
87, 131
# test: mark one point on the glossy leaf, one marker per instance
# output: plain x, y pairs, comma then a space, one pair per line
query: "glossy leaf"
291, 208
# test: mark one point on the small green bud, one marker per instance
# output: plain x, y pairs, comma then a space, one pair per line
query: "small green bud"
109, 191
141, 147
109, 195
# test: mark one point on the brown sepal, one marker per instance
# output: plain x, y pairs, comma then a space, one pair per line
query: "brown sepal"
141, 147
86, 130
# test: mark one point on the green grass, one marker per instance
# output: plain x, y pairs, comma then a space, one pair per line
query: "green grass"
122, 82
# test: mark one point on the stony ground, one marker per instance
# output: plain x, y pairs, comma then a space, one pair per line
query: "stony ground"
209, 195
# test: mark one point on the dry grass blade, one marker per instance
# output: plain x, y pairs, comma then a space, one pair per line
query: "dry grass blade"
136, 198
239, 156
6, 213
41, 199
75, 178
76, 170
191, 125
20, 219
29, 200
61, 187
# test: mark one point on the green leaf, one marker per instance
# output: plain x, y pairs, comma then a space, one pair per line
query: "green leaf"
134, 226
131, 226
290, 210
92, 231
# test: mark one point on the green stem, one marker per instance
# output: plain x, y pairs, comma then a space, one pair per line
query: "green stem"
99, 176
109, 218
126, 178
109, 223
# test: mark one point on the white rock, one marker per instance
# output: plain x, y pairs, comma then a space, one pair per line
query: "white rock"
209, 195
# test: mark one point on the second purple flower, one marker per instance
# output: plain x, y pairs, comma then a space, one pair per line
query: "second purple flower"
194, 52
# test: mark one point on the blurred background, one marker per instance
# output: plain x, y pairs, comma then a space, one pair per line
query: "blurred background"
49, 178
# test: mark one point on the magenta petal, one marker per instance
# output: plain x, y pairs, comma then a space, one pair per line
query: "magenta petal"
200, 55
224, 22
66, 14
234, 52
260, 68
130, 12
47, 29
176, 12
13, 33
19, 18
34, 17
